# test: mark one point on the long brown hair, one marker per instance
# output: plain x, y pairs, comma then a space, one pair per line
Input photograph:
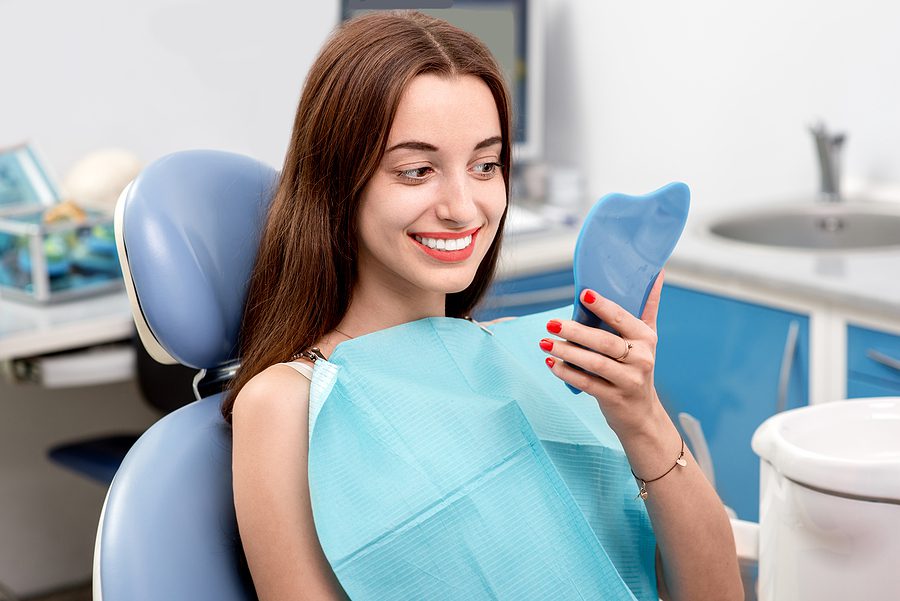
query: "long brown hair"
305, 271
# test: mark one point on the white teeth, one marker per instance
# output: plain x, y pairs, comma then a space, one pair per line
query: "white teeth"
445, 244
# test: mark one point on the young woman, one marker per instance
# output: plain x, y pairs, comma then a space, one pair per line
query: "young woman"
390, 209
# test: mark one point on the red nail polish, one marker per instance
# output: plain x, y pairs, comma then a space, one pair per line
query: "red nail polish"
550, 361
589, 296
546, 344
554, 327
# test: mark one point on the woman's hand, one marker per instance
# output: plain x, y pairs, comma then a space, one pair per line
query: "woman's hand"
696, 558
618, 370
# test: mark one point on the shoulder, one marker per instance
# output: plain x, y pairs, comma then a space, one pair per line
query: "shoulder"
271, 488
269, 425
276, 393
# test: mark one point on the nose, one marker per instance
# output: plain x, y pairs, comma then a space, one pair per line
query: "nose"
456, 204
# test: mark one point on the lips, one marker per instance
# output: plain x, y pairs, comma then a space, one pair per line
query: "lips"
441, 245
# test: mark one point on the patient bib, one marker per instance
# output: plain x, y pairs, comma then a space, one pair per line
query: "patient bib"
447, 463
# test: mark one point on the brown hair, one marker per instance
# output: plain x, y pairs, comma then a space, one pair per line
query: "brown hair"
305, 270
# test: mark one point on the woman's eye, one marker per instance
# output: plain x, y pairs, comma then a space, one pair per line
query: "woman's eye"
486, 169
417, 174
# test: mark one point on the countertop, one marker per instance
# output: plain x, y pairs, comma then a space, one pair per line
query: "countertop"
855, 280
28, 330
861, 280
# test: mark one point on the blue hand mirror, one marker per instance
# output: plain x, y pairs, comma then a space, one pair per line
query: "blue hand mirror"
623, 245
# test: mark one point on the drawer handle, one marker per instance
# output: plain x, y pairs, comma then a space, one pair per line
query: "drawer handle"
787, 362
885, 360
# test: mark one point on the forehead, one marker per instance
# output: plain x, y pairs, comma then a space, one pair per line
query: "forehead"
445, 110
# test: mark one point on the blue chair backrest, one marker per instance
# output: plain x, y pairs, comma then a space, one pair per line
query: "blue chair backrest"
188, 230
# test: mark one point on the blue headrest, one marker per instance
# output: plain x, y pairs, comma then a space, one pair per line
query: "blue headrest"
187, 231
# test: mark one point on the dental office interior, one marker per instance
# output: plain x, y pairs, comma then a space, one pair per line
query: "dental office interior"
779, 328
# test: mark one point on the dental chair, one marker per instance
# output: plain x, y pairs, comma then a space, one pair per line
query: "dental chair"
187, 231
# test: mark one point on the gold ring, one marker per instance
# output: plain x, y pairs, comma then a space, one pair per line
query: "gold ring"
625, 354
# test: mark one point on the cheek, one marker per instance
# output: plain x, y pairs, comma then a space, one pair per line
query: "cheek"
385, 213
496, 203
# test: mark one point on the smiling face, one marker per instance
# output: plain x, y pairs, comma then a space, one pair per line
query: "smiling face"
431, 210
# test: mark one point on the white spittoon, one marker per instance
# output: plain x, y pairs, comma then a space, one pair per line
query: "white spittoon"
829, 516
97, 179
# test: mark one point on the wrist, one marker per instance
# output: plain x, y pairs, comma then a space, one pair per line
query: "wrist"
652, 445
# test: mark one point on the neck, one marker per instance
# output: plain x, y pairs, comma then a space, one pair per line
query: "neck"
373, 309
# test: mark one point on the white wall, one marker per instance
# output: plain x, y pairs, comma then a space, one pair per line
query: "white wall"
155, 76
719, 94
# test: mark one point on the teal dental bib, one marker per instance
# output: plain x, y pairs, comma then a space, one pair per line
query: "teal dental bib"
447, 463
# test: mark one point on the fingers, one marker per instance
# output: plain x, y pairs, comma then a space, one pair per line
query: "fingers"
595, 339
616, 370
599, 363
584, 381
602, 353
651, 309
608, 362
616, 317
605, 378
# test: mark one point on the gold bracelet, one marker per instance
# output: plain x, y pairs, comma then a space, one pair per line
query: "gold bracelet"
680, 460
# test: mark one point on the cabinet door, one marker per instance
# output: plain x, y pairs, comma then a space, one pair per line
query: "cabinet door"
525, 295
720, 360
873, 363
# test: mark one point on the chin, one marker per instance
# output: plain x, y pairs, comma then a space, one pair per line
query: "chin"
450, 288
452, 284
459, 289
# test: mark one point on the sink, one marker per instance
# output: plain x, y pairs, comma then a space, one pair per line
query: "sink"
843, 226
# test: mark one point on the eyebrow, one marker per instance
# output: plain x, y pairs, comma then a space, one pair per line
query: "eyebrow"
425, 146
489, 142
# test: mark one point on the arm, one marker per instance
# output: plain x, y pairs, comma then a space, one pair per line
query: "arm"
696, 557
271, 490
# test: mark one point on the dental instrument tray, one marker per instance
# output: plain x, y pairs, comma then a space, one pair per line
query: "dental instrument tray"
57, 253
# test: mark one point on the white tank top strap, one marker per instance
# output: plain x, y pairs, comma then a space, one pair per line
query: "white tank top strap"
305, 369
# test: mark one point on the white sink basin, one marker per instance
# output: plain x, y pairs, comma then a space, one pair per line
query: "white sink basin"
840, 226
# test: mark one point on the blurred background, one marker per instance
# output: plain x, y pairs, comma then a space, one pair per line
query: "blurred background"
718, 95
632, 95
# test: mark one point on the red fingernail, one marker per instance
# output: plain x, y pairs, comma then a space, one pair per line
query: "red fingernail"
554, 327
546, 344
589, 296
550, 361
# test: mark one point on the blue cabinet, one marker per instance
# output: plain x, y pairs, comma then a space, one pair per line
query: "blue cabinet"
721, 360
873, 363
528, 294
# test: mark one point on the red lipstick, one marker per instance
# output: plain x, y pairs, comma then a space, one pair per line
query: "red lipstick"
447, 256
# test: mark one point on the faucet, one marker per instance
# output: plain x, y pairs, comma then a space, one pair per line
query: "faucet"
828, 149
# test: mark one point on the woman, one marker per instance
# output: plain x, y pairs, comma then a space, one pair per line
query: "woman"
390, 209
